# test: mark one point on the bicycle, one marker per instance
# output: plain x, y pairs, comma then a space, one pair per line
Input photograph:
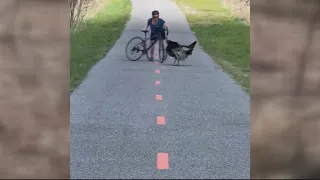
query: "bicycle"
141, 46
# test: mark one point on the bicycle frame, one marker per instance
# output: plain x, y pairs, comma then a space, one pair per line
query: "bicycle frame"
145, 49
159, 37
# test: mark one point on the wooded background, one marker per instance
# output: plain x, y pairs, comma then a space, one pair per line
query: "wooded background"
79, 9
239, 7
34, 89
285, 88
34, 86
34, 71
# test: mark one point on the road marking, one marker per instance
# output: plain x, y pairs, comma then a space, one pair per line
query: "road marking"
159, 97
157, 82
156, 62
162, 161
157, 71
161, 120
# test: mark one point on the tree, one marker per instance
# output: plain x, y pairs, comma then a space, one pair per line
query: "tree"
79, 9
285, 106
34, 89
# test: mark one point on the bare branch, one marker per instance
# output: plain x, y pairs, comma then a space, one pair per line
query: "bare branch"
79, 9
246, 3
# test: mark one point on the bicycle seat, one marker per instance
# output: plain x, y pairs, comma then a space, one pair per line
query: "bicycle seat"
145, 31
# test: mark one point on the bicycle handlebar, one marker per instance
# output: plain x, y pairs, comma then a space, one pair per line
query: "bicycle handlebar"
167, 29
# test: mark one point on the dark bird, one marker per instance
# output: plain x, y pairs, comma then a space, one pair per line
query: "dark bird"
179, 52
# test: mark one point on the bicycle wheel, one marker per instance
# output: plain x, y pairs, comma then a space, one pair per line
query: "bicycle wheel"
145, 47
162, 52
138, 45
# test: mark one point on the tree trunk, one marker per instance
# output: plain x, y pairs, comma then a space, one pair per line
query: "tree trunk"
34, 89
285, 89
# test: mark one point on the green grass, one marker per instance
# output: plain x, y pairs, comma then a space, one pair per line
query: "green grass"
96, 38
223, 36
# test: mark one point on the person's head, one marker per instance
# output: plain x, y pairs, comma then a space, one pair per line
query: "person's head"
155, 14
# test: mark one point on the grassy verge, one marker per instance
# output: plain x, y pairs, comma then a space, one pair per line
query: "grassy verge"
223, 36
91, 43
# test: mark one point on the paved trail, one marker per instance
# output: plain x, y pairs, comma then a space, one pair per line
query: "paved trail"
114, 128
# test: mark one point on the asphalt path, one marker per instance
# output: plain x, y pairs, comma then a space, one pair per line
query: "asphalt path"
149, 120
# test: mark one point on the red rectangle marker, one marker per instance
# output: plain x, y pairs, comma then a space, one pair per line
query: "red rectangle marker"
162, 161
157, 82
159, 97
157, 71
161, 120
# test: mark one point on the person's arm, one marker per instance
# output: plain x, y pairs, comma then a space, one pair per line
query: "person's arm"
166, 26
164, 23
148, 23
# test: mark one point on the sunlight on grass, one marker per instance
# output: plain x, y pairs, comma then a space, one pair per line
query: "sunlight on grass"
225, 37
91, 43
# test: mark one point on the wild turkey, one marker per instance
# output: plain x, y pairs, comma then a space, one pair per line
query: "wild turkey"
179, 52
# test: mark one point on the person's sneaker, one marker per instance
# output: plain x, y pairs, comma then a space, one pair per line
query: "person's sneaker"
150, 58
